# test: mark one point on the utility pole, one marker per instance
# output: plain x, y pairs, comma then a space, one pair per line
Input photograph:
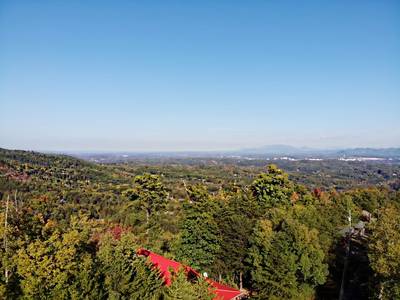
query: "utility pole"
5, 237
346, 260
15, 201
186, 189
240, 280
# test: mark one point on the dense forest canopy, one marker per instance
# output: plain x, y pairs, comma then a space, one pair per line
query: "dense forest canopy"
70, 229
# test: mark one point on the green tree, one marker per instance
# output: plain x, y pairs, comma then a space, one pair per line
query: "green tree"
8, 245
236, 219
126, 275
368, 198
149, 195
384, 252
286, 260
61, 266
183, 289
273, 188
199, 240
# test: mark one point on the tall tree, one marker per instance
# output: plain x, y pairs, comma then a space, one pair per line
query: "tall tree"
286, 260
184, 289
236, 219
127, 276
199, 240
384, 252
150, 197
273, 188
61, 266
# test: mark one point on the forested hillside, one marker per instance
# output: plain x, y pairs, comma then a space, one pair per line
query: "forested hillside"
70, 229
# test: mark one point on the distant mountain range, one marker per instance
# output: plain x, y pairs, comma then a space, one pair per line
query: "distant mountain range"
375, 152
306, 151
265, 152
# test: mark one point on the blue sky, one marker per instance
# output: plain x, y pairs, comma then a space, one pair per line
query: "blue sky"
198, 75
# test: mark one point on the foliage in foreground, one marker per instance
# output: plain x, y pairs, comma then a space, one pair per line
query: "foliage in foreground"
69, 230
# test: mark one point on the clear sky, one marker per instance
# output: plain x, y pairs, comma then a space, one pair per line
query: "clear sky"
198, 75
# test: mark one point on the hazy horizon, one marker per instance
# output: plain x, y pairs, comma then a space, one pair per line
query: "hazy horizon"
205, 76
188, 151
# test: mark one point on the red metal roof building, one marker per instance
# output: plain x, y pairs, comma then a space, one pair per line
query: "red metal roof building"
222, 292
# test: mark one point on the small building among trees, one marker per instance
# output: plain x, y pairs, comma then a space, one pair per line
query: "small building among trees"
166, 266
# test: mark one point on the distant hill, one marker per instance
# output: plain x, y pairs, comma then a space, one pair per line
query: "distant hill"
40, 159
271, 151
371, 152
278, 150
305, 151
49, 167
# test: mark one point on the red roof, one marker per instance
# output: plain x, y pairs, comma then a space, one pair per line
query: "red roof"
222, 292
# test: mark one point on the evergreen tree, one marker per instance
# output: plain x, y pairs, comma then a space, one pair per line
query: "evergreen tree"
183, 289
236, 219
126, 275
199, 240
286, 260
